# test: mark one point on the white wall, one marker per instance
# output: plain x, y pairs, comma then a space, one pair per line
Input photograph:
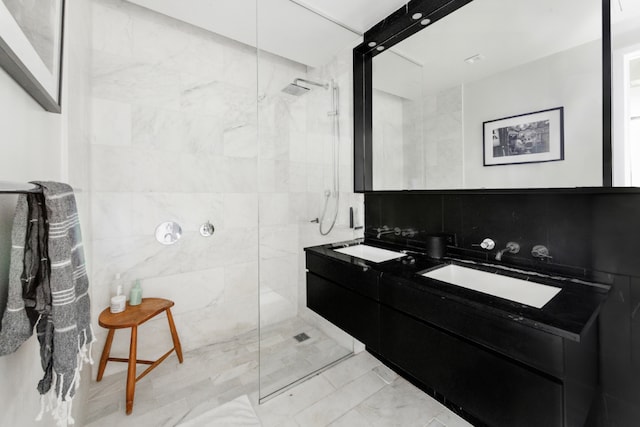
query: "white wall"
625, 41
31, 147
634, 134
37, 145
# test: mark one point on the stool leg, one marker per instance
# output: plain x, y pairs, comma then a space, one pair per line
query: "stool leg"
105, 354
174, 335
131, 373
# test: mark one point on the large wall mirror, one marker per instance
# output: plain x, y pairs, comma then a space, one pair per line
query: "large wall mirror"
471, 94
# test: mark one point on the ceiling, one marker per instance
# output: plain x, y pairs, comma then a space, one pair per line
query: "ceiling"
291, 29
506, 34
625, 13
288, 28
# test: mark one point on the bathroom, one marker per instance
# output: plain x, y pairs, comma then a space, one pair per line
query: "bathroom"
181, 114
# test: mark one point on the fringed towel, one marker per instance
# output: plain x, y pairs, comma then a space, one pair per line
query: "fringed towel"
48, 286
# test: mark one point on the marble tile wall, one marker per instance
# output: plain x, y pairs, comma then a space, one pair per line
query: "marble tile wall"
174, 138
315, 157
388, 161
185, 129
418, 142
443, 139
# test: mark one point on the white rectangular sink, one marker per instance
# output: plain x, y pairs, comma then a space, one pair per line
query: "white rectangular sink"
522, 291
370, 253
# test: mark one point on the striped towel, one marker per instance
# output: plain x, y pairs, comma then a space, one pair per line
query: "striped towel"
20, 316
61, 296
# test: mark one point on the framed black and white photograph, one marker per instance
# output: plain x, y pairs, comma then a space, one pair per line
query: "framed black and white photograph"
31, 47
526, 138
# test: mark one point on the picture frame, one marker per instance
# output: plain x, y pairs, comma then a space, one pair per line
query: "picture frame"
526, 138
31, 40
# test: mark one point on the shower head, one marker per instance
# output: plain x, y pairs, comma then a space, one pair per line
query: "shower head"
296, 89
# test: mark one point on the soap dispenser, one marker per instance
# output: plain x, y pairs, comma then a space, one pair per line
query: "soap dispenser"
118, 302
135, 296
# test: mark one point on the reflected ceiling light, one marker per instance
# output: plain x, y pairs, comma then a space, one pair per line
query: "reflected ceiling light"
425, 21
473, 59
416, 16
372, 44
380, 48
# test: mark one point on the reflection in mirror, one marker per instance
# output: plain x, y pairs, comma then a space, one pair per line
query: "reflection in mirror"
625, 62
490, 60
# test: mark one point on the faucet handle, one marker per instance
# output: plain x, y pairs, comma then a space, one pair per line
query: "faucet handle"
487, 244
513, 247
540, 251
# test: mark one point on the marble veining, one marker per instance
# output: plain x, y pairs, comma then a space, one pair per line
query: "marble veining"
359, 391
190, 126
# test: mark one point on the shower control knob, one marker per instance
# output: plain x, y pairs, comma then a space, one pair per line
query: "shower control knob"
207, 229
168, 232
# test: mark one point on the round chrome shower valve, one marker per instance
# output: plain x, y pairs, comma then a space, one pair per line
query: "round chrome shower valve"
168, 232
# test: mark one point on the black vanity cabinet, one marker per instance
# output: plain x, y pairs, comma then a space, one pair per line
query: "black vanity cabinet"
347, 295
499, 371
495, 362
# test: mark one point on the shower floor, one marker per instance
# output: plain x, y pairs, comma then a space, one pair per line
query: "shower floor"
215, 374
357, 391
284, 360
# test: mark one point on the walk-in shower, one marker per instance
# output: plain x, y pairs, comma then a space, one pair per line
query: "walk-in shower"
297, 88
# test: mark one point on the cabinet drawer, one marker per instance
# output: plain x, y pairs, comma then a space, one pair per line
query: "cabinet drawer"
358, 278
535, 348
355, 314
486, 385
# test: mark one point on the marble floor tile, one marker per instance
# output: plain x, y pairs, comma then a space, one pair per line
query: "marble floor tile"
358, 391
400, 404
387, 374
351, 369
291, 402
435, 423
328, 409
450, 419
351, 419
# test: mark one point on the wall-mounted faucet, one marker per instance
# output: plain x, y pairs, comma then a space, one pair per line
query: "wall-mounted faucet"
487, 244
408, 232
512, 248
386, 230
541, 252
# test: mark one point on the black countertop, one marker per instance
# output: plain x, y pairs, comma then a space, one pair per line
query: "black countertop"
570, 313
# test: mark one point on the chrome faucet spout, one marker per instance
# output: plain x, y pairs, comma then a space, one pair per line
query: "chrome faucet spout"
512, 248
385, 230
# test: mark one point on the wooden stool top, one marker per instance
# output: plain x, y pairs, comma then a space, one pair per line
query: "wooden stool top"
134, 315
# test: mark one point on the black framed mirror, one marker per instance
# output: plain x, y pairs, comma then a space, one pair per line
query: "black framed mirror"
452, 95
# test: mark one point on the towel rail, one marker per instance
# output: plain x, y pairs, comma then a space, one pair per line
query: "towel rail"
7, 187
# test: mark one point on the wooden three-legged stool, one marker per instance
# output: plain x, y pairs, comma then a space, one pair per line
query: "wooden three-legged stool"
132, 317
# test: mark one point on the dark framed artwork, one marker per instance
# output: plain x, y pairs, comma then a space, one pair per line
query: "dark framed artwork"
527, 138
31, 34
